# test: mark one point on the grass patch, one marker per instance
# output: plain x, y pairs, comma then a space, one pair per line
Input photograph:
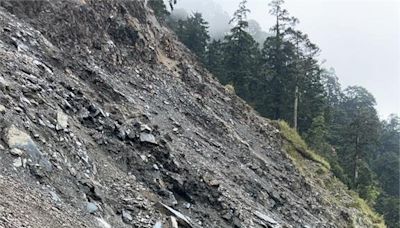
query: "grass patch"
299, 145
298, 151
338, 189
366, 209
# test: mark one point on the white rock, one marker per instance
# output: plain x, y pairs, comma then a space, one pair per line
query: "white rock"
271, 222
62, 120
4, 83
2, 109
126, 216
183, 219
17, 162
16, 138
103, 223
143, 157
145, 128
91, 208
149, 138
16, 152
173, 222
158, 225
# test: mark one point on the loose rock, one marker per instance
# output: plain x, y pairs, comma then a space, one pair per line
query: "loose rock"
16, 152
91, 207
270, 221
126, 216
172, 222
2, 109
158, 225
17, 139
147, 138
62, 120
17, 162
181, 218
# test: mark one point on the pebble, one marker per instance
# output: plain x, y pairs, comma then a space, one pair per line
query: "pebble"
16, 152
126, 216
2, 109
148, 138
17, 162
62, 120
91, 208
158, 225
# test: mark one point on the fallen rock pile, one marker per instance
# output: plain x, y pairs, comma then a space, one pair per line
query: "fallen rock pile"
108, 121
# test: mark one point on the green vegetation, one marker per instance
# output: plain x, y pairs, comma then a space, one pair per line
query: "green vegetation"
299, 146
366, 209
159, 9
193, 33
298, 150
283, 80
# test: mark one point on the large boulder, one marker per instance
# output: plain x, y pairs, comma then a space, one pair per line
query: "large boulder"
17, 139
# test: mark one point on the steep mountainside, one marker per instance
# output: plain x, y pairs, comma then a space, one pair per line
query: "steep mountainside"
107, 121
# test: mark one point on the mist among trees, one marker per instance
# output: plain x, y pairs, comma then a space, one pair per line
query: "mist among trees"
278, 73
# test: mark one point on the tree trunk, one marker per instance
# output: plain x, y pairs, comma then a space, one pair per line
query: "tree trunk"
355, 164
295, 107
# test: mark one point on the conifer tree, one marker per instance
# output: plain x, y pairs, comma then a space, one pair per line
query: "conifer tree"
159, 8
215, 60
294, 91
241, 56
193, 33
358, 132
278, 64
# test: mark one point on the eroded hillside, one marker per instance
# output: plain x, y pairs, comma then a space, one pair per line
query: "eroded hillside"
108, 121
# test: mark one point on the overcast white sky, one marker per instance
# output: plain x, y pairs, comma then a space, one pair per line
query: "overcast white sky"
359, 38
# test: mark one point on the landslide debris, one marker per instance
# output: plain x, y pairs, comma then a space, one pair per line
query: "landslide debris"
106, 120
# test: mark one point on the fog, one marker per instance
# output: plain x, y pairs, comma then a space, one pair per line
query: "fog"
212, 12
359, 38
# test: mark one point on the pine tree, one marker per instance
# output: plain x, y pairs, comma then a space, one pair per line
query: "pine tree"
294, 91
386, 165
386, 162
215, 60
317, 134
359, 132
389, 207
307, 89
278, 63
193, 33
159, 8
241, 56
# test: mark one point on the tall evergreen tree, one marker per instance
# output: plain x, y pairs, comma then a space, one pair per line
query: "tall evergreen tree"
215, 60
279, 67
307, 89
386, 165
241, 56
293, 89
359, 133
386, 162
193, 33
159, 8
333, 96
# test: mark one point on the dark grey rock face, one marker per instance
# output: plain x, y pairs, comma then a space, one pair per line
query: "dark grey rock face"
19, 142
114, 116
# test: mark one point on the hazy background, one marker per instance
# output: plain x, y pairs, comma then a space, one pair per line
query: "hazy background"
359, 38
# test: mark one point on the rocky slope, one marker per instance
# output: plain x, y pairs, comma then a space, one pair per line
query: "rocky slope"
107, 121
